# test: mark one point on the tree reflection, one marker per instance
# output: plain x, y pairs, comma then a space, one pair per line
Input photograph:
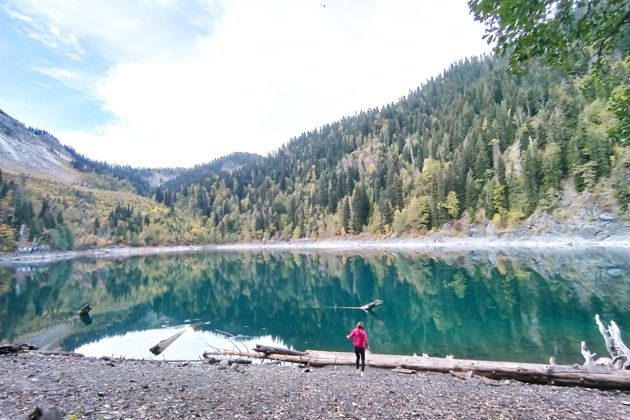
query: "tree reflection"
522, 307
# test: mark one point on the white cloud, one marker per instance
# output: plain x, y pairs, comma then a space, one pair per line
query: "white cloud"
71, 78
46, 33
120, 30
265, 73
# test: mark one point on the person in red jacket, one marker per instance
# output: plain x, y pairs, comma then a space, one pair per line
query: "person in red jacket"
360, 341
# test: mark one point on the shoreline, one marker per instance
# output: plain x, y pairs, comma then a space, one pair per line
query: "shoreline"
407, 245
62, 386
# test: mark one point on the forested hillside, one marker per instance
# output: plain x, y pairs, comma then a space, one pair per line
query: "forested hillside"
474, 145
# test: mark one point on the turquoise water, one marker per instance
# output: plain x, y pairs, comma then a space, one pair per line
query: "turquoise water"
520, 307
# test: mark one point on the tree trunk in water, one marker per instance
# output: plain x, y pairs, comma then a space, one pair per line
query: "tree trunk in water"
162, 345
371, 305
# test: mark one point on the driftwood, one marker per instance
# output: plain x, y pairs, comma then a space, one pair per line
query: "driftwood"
366, 307
404, 371
618, 351
162, 345
590, 360
209, 355
623, 353
85, 309
461, 375
277, 350
371, 305
576, 375
239, 362
19, 348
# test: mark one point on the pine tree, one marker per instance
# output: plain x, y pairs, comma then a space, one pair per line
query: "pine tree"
345, 214
360, 208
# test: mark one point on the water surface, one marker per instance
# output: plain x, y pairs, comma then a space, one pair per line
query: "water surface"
519, 307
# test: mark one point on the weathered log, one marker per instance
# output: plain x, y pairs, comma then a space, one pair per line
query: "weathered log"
277, 350
239, 362
461, 375
404, 371
371, 305
622, 351
8, 349
162, 345
618, 351
279, 357
607, 338
576, 375
590, 360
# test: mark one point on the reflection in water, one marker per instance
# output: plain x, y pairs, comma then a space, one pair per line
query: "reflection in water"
135, 345
521, 307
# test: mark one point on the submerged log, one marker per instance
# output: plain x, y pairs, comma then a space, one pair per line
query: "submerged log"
85, 309
587, 376
371, 305
162, 345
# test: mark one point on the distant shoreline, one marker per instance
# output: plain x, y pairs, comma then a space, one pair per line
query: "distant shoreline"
408, 245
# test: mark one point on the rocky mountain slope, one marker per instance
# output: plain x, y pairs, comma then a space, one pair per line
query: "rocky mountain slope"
33, 152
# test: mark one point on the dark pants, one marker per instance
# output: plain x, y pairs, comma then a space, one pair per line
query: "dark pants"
360, 352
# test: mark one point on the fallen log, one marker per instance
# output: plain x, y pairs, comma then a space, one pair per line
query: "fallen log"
162, 345
277, 350
254, 355
239, 362
19, 348
604, 377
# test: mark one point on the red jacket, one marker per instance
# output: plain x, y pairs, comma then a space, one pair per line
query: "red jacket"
360, 338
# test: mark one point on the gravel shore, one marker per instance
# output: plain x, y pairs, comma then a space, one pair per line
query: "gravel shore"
63, 386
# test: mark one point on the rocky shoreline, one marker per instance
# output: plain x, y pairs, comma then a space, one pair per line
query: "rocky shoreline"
63, 386
412, 245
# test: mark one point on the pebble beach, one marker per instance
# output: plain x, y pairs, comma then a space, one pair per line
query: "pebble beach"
63, 386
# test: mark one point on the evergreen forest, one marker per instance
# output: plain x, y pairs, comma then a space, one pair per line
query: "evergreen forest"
473, 146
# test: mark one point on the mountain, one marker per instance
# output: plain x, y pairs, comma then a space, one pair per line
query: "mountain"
474, 151
32, 151
229, 164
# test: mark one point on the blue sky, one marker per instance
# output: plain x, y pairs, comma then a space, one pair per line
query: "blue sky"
176, 83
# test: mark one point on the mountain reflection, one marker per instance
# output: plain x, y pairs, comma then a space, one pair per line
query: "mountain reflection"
520, 307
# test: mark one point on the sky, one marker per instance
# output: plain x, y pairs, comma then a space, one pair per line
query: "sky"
175, 83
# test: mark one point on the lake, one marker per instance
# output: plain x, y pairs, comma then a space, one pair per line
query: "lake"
513, 306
